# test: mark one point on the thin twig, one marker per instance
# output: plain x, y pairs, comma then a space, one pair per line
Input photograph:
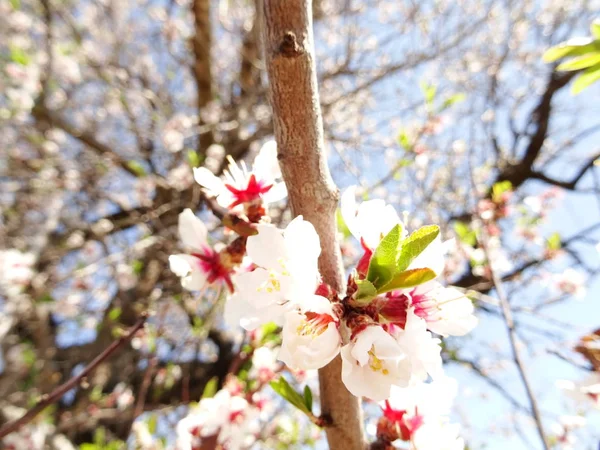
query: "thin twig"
512, 336
139, 406
48, 399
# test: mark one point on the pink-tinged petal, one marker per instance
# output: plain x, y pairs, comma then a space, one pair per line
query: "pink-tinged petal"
192, 230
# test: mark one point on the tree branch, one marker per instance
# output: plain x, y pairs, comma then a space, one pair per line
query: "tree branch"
290, 60
512, 336
54, 396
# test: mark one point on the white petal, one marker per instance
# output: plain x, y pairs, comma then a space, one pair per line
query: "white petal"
349, 208
267, 249
209, 181
302, 241
253, 285
192, 230
265, 165
181, 265
186, 267
276, 193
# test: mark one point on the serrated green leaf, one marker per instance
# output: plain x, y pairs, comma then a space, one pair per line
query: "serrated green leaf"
288, 393
383, 262
211, 387
591, 75
572, 47
595, 29
308, 397
413, 246
366, 292
408, 279
581, 62
136, 168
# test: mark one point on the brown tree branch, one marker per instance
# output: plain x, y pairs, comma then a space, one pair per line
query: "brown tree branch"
48, 399
290, 60
202, 43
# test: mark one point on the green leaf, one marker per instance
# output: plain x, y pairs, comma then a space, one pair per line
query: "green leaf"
137, 266
455, 98
211, 388
408, 279
193, 158
581, 62
553, 242
19, 56
152, 423
595, 28
465, 234
383, 263
572, 47
136, 168
45, 298
366, 292
429, 91
588, 77
16, 4
404, 140
308, 397
288, 393
114, 314
414, 245
500, 188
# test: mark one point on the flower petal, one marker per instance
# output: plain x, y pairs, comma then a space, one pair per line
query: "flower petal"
192, 230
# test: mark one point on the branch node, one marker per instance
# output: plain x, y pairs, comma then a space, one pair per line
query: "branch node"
289, 46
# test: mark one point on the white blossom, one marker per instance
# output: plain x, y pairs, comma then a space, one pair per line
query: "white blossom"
286, 272
240, 186
310, 335
371, 364
203, 264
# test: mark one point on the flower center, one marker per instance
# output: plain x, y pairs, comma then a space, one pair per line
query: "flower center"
253, 191
375, 363
314, 325
211, 264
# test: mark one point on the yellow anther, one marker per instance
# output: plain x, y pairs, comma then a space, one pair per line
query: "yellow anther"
375, 363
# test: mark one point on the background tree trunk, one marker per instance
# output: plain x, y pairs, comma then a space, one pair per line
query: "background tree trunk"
290, 60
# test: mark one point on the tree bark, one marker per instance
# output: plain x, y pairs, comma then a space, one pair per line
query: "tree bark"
202, 43
289, 55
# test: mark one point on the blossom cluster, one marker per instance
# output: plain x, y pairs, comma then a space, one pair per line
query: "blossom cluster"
386, 324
